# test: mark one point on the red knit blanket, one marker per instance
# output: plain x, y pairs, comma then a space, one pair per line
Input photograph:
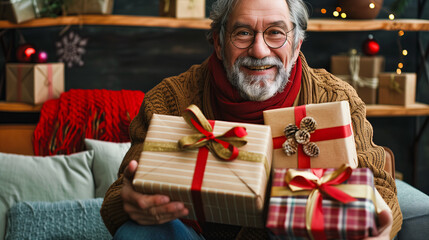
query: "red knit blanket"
78, 114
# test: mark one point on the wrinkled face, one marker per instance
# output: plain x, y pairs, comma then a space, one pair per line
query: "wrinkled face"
258, 71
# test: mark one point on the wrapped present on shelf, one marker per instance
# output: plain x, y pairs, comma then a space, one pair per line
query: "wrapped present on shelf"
34, 83
18, 11
183, 8
314, 135
323, 203
209, 165
397, 89
361, 72
88, 6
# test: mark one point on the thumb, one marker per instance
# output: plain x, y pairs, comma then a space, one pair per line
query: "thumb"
130, 170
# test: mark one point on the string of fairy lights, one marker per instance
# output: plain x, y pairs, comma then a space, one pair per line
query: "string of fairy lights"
338, 13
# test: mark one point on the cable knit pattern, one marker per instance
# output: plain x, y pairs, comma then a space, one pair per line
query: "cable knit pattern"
174, 94
78, 219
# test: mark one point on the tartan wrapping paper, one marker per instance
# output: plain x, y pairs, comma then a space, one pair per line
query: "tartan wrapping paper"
355, 220
233, 192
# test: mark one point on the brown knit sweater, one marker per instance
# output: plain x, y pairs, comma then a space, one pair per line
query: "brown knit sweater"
175, 94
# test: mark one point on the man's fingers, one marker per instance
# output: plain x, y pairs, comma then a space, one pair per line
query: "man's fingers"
130, 170
160, 214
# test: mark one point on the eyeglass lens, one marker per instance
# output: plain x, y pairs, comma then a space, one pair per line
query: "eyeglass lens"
274, 37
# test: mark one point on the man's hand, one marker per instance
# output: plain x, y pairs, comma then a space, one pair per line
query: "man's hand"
148, 209
386, 221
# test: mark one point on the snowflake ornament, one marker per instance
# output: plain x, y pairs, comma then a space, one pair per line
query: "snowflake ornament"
70, 49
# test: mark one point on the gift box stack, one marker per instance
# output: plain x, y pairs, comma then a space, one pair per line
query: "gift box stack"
397, 89
361, 72
209, 165
18, 11
34, 83
182, 8
314, 152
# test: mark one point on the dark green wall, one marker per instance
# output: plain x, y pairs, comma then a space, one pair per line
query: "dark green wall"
138, 58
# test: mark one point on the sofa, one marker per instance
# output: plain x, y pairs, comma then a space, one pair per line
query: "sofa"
59, 196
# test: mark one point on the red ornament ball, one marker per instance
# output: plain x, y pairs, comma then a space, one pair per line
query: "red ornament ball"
42, 57
370, 46
25, 52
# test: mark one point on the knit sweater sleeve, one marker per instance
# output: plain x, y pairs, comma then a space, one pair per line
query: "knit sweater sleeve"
322, 86
170, 97
373, 157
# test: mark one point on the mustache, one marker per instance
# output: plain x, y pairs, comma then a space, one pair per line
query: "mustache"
253, 62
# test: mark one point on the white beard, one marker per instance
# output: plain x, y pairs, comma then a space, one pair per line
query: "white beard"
258, 88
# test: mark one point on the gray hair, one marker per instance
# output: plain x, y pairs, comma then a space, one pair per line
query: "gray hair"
221, 9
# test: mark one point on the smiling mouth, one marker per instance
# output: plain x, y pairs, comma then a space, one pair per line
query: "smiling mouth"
260, 68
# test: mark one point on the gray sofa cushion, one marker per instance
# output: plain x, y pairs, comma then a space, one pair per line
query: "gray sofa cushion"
78, 219
415, 210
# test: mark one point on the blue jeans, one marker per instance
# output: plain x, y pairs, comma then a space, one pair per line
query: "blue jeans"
168, 231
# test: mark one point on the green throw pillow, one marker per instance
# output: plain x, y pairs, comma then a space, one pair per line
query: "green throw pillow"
107, 159
53, 178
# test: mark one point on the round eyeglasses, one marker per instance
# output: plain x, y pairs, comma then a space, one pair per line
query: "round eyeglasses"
274, 37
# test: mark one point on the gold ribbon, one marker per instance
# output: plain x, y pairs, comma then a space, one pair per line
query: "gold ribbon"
394, 85
354, 190
193, 115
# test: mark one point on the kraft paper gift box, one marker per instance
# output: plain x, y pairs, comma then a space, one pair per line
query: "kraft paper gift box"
183, 8
332, 136
302, 204
397, 89
88, 6
228, 192
18, 11
34, 83
361, 72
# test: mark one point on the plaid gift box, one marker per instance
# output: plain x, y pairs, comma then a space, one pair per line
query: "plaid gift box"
213, 186
331, 135
322, 203
182, 8
397, 89
34, 83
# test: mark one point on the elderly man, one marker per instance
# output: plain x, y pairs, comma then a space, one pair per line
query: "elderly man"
257, 65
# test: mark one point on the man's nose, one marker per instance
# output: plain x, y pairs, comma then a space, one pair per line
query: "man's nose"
259, 48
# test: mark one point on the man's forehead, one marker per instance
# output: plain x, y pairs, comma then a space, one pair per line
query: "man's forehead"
259, 13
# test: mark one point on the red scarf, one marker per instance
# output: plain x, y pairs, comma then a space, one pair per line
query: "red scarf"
228, 105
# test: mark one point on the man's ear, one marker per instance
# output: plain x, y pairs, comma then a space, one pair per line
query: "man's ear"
217, 47
297, 50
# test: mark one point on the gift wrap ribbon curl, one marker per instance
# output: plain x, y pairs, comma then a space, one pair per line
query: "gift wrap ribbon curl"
313, 184
319, 135
224, 147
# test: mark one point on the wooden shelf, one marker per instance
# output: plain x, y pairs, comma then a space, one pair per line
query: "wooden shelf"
319, 25
18, 107
417, 109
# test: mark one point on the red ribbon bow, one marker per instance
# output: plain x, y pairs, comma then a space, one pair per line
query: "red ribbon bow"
314, 181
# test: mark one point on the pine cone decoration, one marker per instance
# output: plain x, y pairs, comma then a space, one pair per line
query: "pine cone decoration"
290, 146
290, 130
311, 149
302, 137
308, 124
